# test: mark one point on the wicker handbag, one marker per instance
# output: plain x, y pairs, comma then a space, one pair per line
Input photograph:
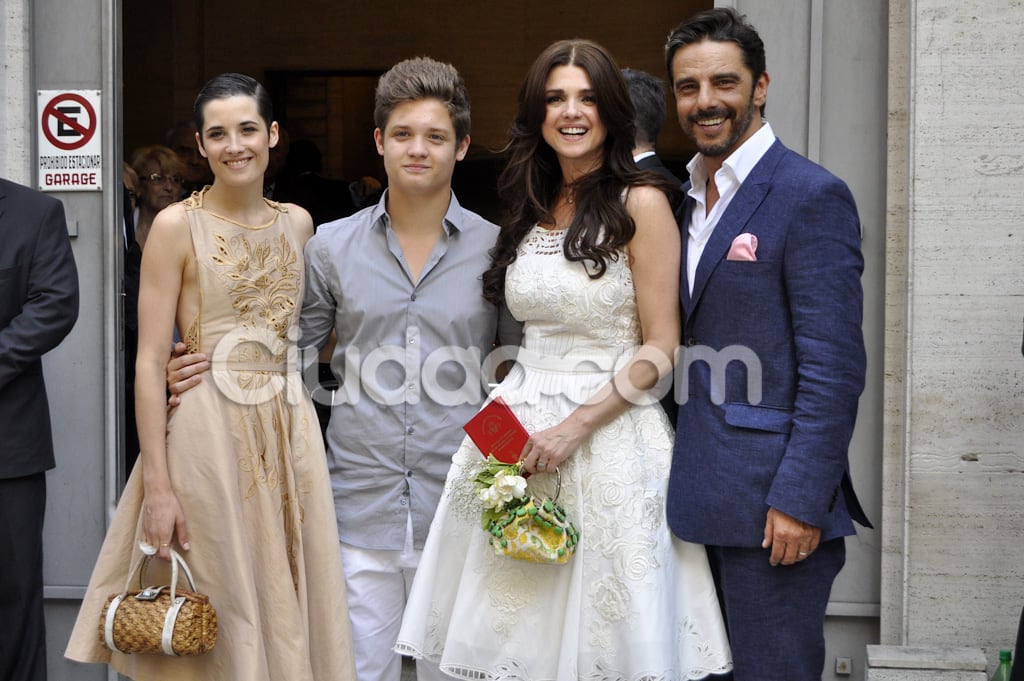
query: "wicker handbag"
535, 530
159, 619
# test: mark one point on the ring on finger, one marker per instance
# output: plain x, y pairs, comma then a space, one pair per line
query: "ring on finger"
803, 554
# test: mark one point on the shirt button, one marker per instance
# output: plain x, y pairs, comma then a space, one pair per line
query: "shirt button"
412, 297
410, 430
408, 474
404, 502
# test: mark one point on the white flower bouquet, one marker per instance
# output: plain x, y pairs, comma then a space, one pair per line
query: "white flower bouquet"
521, 526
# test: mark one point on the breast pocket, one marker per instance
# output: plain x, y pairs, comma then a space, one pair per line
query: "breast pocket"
744, 290
746, 268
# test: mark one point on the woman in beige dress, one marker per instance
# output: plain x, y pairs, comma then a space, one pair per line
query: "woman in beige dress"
235, 477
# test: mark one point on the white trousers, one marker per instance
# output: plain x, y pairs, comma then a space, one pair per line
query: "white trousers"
378, 584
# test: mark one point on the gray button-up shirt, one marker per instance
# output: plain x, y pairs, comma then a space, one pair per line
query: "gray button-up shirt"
408, 359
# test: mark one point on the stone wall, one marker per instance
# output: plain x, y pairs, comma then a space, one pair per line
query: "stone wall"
953, 566
14, 70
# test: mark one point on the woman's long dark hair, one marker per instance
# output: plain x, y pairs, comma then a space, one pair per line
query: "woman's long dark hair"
532, 178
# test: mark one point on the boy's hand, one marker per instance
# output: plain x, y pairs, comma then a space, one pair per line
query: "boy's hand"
184, 371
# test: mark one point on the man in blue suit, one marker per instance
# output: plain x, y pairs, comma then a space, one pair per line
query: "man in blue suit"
773, 363
38, 307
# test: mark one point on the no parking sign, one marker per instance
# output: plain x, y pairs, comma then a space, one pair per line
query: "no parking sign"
69, 141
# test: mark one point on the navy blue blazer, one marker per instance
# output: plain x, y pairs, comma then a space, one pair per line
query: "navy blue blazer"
38, 307
773, 361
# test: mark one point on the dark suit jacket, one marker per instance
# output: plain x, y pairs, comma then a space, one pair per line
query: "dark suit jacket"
654, 163
791, 321
326, 200
38, 307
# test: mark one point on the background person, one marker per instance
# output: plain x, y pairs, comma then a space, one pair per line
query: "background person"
272, 184
301, 182
160, 184
130, 312
647, 92
181, 139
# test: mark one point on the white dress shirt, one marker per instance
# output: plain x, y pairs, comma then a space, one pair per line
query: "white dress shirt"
728, 179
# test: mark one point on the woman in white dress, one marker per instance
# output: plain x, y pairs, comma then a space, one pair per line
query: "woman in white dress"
589, 261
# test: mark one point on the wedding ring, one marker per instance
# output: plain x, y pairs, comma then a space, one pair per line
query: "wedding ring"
166, 545
541, 465
147, 548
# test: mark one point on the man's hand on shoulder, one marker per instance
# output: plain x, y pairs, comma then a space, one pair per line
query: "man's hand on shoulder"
184, 371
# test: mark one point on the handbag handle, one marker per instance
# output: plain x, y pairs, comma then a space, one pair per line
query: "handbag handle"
558, 482
176, 560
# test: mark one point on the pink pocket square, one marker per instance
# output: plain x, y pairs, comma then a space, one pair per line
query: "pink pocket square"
743, 247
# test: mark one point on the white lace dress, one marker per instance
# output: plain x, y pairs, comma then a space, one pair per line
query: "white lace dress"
634, 602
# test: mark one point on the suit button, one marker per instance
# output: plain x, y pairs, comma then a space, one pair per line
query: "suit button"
691, 341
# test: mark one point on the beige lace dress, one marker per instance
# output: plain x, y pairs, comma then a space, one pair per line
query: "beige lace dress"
247, 463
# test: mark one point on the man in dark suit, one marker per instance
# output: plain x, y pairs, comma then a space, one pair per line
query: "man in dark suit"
648, 96
130, 314
773, 363
38, 307
326, 199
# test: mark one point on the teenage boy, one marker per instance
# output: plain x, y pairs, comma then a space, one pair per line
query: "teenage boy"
399, 284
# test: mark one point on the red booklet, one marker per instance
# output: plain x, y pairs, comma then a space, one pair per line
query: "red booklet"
496, 431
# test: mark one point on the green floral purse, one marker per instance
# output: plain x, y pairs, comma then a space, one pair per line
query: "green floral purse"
521, 526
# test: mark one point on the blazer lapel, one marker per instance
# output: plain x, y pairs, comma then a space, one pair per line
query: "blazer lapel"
683, 220
750, 195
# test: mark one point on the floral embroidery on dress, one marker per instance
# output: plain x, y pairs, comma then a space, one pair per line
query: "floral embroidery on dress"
191, 337
509, 591
264, 281
263, 277
605, 306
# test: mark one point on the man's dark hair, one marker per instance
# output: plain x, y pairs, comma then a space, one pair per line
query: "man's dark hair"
722, 24
648, 95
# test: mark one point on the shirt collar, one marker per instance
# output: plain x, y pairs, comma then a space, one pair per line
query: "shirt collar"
642, 155
739, 162
454, 218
